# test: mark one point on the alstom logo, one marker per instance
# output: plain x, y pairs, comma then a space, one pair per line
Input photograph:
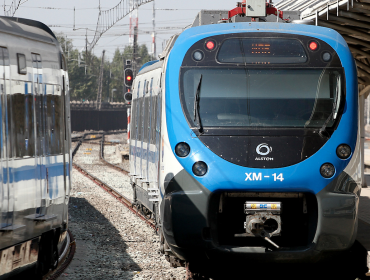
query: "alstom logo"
263, 149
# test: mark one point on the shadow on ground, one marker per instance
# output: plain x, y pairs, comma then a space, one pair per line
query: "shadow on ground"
101, 251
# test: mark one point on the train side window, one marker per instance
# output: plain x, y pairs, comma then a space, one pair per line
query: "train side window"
18, 118
154, 113
22, 65
36, 61
146, 119
58, 111
6, 57
152, 106
39, 123
53, 121
63, 64
10, 138
22, 119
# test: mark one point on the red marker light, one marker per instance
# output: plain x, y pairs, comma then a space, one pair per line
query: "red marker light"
313, 46
210, 45
128, 78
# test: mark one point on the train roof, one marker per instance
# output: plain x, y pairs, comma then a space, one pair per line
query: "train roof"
27, 28
149, 66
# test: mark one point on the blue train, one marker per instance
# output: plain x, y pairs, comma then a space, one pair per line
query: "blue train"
246, 142
34, 148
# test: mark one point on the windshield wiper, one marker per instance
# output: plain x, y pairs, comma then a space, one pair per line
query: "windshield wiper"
196, 106
333, 115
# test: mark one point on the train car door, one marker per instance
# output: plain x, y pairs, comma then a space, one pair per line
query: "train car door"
6, 185
40, 133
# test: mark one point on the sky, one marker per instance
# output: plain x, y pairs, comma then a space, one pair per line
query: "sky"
171, 18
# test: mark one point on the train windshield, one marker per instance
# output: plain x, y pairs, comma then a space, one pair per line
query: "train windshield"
238, 97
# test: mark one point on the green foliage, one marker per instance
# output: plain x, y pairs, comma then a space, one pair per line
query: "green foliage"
84, 71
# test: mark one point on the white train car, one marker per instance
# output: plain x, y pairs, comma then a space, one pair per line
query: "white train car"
35, 148
145, 134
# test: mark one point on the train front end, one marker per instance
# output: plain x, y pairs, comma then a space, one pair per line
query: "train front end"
261, 154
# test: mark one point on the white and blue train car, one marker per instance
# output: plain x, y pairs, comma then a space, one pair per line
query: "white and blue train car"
35, 147
145, 133
258, 154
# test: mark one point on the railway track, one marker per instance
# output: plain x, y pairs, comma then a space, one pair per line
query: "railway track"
121, 198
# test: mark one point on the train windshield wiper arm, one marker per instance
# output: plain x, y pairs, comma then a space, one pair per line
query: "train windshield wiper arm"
334, 111
196, 106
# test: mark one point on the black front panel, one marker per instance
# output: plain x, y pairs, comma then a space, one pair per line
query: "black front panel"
215, 57
263, 152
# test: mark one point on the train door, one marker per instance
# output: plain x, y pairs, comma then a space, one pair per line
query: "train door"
6, 186
40, 134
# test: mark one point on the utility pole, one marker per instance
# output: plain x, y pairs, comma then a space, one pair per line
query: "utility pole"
100, 85
86, 55
134, 53
153, 34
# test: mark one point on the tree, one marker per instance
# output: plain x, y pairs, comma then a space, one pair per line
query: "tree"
84, 85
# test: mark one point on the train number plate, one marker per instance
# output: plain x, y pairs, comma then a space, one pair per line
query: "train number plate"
256, 206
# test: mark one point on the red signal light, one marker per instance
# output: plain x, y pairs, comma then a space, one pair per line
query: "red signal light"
313, 46
210, 45
128, 78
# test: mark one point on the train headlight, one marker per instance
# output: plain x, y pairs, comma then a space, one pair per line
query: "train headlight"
326, 56
200, 168
198, 55
327, 170
182, 149
343, 151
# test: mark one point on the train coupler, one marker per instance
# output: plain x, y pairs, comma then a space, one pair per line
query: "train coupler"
263, 220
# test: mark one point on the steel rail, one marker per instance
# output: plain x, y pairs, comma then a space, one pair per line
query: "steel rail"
102, 143
121, 198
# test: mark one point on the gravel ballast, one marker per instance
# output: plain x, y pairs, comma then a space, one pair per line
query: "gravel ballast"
113, 242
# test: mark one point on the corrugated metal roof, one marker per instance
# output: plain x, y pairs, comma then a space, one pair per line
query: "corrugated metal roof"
351, 18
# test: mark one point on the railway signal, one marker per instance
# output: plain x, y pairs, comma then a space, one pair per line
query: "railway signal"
129, 77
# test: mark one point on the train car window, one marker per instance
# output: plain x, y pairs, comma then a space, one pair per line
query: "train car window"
10, 137
140, 116
142, 112
136, 123
22, 65
58, 111
63, 64
154, 113
133, 119
6, 56
146, 118
262, 51
22, 118
36, 61
152, 105
49, 121
29, 137
39, 63
53, 121
18, 118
